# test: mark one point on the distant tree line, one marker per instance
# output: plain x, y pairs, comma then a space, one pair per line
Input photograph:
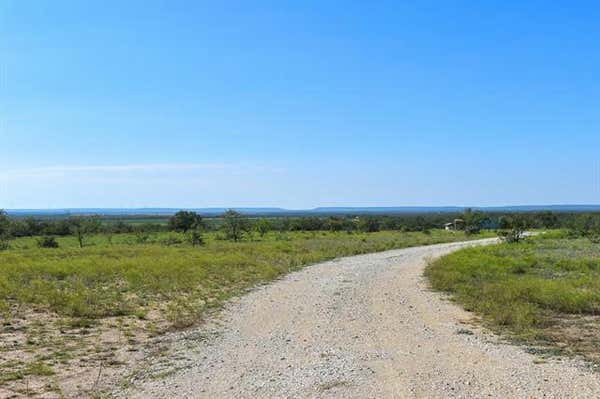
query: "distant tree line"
235, 226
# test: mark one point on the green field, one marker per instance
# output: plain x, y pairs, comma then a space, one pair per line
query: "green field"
131, 274
544, 292
59, 303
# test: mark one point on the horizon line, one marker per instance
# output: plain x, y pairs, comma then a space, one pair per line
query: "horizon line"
280, 208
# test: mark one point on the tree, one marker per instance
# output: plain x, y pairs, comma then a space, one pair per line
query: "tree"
263, 226
80, 226
4, 230
586, 226
335, 223
4, 223
473, 221
369, 224
547, 219
184, 221
235, 225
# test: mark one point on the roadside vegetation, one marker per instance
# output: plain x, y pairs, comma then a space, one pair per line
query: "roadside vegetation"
542, 291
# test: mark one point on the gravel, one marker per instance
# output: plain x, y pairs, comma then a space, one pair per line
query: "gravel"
358, 327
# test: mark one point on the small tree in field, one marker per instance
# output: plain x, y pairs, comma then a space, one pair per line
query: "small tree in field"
80, 226
473, 221
263, 226
4, 229
184, 221
235, 225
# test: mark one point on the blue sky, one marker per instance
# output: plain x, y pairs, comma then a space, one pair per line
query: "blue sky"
298, 104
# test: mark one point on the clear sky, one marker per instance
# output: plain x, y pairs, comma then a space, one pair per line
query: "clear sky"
298, 104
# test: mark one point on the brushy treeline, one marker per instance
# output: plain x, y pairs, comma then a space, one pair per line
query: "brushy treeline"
183, 220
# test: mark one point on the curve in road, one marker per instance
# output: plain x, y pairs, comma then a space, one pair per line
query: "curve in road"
358, 327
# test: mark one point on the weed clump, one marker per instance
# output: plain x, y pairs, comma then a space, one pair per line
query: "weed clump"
47, 242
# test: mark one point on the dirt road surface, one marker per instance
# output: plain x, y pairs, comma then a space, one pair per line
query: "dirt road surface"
358, 327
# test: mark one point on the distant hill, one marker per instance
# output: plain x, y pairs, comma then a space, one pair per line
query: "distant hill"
320, 211
136, 211
453, 209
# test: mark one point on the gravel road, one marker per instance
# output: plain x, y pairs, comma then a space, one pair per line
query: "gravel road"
357, 327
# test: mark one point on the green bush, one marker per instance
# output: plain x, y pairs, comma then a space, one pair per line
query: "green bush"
512, 236
196, 238
47, 242
4, 244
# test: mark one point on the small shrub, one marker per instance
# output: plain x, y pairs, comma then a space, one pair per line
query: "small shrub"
47, 242
141, 237
4, 245
512, 236
40, 369
195, 237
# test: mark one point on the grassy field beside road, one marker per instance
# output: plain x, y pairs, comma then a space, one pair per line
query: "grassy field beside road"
70, 310
544, 291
